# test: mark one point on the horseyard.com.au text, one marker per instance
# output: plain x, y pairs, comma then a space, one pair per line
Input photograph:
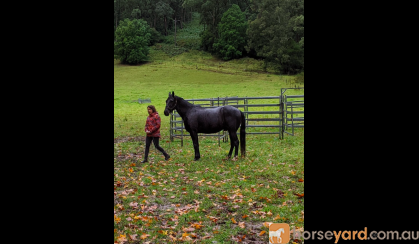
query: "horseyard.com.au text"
356, 235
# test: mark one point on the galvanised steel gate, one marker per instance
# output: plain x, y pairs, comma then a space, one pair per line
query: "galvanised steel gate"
284, 112
292, 112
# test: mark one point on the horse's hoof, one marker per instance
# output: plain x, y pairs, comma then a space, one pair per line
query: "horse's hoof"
196, 159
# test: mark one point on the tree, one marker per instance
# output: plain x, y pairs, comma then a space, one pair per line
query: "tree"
211, 12
164, 11
232, 34
277, 34
132, 40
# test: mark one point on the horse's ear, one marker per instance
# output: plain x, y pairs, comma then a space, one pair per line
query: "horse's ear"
173, 93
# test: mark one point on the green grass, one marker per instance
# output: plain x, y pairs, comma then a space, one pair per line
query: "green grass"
181, 199
190, 75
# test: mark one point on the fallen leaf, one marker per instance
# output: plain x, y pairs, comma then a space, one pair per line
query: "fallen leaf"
197, 226
132, 237
262, 232
241, 225
122, 238
299, 195
300, 180
267, 224
213, 219
120, 207
234, 221
143, 236
133, 204
117, 219
172, 237
277, 217
190, 229
186, 238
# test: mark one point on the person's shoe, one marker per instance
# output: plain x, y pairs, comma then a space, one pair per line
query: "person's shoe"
166, 157
144, 161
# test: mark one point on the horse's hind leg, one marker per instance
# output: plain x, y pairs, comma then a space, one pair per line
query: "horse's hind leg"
234, 143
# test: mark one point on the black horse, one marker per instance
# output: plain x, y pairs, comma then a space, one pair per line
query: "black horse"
209, 120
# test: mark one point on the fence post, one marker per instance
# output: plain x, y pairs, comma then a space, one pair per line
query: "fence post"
218, 104
282, 113
171, 127
292, 118
246, 109
181, 142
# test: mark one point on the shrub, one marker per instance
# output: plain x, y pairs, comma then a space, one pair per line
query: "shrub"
132, 41
156, 37
207, 40
299, 78
292, 61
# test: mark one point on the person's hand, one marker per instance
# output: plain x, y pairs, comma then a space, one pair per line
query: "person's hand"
148, 132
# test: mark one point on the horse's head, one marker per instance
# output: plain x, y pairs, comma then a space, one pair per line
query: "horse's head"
171, 103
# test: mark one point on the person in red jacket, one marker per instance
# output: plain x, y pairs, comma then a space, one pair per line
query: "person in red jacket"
152, 128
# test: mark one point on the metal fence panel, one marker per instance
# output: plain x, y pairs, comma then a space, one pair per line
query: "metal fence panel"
289, 114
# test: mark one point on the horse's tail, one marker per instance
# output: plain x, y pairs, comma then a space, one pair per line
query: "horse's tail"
243, 135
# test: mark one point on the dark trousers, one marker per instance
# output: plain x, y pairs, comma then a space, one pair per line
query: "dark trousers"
156, 144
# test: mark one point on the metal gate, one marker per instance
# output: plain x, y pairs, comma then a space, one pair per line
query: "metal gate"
289, 111
293, 112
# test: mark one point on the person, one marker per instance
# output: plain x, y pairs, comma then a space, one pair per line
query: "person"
152, 128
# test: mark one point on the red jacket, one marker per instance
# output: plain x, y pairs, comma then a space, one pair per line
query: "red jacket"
153, 125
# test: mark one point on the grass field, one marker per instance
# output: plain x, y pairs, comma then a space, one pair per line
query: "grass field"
213, 199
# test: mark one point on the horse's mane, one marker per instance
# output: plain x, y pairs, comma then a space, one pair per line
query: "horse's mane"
181, 100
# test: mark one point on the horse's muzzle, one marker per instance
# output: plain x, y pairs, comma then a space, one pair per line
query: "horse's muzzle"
166, 112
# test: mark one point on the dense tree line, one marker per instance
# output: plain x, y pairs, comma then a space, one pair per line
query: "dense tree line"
160, 14
268, 29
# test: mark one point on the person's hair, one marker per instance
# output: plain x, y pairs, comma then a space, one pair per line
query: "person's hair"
152, 108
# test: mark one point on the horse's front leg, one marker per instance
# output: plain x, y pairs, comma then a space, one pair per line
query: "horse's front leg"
194, 137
